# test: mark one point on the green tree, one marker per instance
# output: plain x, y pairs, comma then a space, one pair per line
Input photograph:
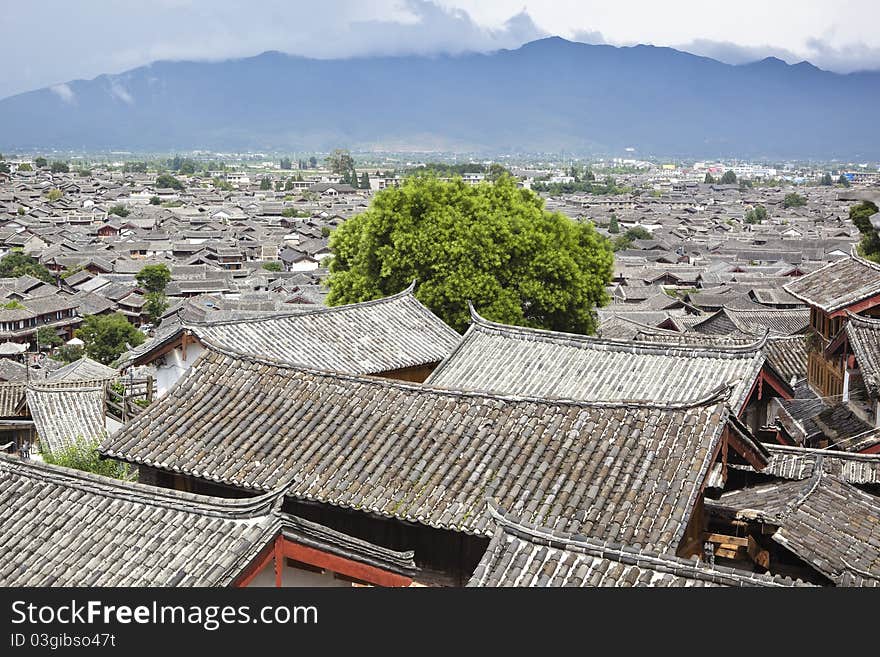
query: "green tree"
266, 184
729, 178
119, 210
843, 180
68, 353
274, 265
134, 167
21, 211
709, 179
40, 162
25, 167
631, 235
4, 168
340, 162
187, 167
756, 214
493, 244
107, 337
365, 180
17, 264
82, 454
826, 180
613, 225
155, 200
167, 181
325, 231
154, 278
54, 194
156, 304
313, 162
60, 167
495, 171
794, 200
860, 214
285, 163
47, 337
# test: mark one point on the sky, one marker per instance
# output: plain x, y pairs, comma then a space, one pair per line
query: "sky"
54, 41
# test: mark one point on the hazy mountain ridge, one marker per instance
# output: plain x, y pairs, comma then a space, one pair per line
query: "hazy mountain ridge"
548, 95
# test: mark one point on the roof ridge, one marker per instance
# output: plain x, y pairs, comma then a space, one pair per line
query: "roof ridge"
690, 350
717, 395
231, 508
40, 387
408, 291
639, 557
862, 319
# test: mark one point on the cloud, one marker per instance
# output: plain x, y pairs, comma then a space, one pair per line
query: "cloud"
120, 92
64, 92
428, 29
733, 53
846, 58
820, 52
593, 37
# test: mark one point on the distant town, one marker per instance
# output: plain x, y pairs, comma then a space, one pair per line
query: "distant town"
165, 325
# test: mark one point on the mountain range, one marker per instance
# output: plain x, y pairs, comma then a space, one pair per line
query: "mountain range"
549, 95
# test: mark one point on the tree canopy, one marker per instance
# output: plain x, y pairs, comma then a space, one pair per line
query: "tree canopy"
47, 337
60, 167
794, 200
631, 235
756, 214
17, 264
106, 336
82, 454
729, 178
154, 278
493, 244
860, 214
167, 181
340, 161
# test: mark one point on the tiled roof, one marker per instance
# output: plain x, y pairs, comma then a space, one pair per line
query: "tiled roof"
524, 555
63, 414
797, 463
864, 338
837, 285
11, 397
361, 338
830, 524
788, 354
84, 369
619, 471
62, 527
759, 321
523, 361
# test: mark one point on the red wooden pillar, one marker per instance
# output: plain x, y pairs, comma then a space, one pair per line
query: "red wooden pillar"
279, 559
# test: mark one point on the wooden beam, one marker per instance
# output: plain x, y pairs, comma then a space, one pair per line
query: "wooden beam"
746, 452
279, 559
256, 566
758, 554
343, 566
728, 540
858, 307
